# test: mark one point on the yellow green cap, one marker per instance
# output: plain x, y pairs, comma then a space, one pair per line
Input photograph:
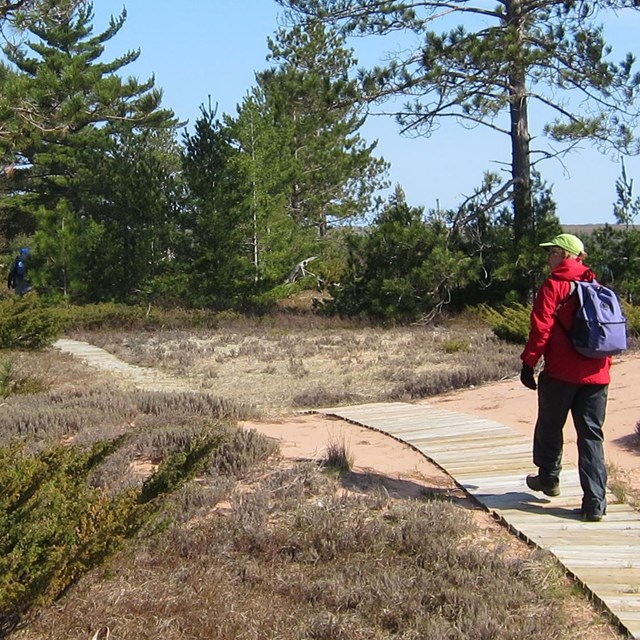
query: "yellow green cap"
566, 241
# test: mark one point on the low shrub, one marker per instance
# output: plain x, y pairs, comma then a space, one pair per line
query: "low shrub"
512, 323
26, 323
107, 315
454, 345
113, 316
11, 383
57, 522
632, 313
6, 377
509, 323
54, 526
241, 451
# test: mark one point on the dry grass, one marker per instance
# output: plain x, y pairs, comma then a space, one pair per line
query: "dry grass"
288, 556
291, 362
338, 458
256, 548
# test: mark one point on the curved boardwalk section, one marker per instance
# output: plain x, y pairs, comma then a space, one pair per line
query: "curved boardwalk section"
490, 461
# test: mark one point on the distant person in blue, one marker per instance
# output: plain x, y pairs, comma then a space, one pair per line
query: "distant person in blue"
17, 278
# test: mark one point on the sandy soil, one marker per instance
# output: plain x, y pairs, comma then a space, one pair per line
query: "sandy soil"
407, 473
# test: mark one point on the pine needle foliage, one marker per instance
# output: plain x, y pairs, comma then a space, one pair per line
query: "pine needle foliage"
26, 323
509, 323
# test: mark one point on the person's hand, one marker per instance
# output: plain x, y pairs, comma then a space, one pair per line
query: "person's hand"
526, 377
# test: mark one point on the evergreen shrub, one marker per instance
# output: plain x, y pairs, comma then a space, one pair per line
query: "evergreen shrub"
26, 323
113, 315
632, 313
106, 315
510, 323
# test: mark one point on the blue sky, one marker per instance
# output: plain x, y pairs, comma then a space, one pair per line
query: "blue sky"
201, 48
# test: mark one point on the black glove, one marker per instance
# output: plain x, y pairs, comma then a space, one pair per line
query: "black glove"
526, 377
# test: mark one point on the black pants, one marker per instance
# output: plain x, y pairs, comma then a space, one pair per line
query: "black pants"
588, 404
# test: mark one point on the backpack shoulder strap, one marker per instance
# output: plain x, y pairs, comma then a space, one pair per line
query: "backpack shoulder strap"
573, 290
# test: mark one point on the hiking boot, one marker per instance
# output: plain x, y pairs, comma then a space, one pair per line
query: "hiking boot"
588, 516
535, 483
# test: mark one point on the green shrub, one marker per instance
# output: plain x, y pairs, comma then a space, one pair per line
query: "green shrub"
26, 323
453, 345
112, 315
632, 312
106, 315
6, 377
12, 384
510, 323
55, 525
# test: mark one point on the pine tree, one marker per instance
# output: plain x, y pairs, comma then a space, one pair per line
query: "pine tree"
333, 173
277, 240
403, 268
130, 203
219, 257
488, 70
60, 105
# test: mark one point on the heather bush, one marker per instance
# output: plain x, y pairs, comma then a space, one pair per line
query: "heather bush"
61, 515
240, 452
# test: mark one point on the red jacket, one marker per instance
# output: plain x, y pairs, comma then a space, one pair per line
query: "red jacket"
546, 338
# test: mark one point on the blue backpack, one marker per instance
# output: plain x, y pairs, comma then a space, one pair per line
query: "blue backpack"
599, 327
19, 268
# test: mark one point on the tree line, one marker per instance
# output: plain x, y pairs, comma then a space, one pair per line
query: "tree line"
118, 201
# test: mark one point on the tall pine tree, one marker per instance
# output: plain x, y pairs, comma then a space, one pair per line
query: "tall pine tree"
219, 255
60, 103
333, 173
277, 240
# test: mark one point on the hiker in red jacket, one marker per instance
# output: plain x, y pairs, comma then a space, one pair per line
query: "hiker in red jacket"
569, 382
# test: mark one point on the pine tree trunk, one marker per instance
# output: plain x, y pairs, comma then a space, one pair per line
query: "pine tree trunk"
520, 148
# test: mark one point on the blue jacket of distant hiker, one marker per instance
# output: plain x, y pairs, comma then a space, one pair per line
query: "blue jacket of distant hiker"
17, 278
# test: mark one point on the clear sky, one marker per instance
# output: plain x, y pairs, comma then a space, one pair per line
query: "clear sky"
201, 48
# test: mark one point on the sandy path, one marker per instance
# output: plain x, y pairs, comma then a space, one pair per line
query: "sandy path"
507, 402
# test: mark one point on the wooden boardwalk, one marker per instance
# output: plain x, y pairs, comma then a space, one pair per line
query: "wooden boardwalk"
142, 377
490, 461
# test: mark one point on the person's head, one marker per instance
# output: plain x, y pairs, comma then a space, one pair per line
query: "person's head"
24, 252
565, 246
